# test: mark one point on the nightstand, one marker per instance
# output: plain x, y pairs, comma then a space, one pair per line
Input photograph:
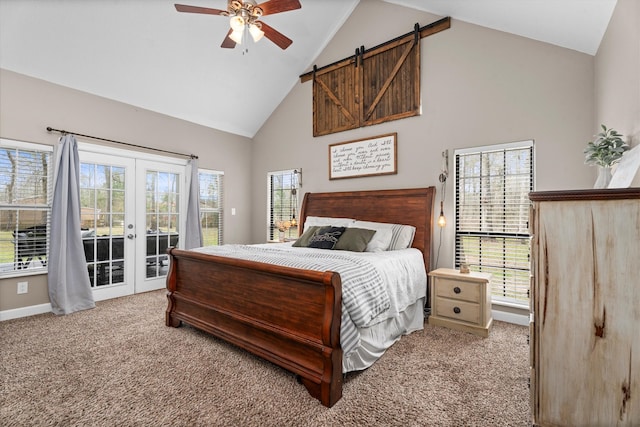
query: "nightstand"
461, 301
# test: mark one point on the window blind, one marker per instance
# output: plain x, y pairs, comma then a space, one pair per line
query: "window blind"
25, 205
211, 206
492, 216
283, 202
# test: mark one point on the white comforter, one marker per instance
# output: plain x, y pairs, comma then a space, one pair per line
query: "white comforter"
376, 285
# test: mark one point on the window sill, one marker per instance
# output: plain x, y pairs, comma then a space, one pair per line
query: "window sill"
22, 273
514, 305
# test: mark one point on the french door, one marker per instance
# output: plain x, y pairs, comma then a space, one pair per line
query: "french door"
130, 214
159, 219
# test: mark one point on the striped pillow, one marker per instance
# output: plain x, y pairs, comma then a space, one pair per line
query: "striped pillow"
401, 235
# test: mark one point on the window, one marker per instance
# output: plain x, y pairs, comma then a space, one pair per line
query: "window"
25, 205
211, 206
283, 203
492, 216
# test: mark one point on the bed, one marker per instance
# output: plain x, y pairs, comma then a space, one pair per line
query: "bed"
290, 316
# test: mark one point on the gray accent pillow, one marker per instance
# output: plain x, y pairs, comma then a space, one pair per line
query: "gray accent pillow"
326, 237
303, 241
354, 239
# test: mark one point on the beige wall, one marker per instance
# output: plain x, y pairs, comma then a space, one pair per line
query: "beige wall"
617, 75
28, 106
478, 87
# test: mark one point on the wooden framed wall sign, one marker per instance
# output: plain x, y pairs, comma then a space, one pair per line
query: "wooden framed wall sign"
364, 157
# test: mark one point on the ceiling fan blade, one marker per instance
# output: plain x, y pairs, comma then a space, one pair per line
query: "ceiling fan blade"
196, 9
276, 36
276, 6
227, 42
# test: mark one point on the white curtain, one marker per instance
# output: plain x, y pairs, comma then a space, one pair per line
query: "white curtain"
193, 232
68, 278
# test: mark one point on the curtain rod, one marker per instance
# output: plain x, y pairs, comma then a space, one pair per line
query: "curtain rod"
50, 129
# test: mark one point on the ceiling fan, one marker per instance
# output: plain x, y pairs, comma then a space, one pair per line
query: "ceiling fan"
244, 19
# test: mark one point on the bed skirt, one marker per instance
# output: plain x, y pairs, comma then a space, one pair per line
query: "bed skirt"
376, 339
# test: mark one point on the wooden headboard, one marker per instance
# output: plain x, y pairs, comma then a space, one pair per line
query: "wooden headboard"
413, 206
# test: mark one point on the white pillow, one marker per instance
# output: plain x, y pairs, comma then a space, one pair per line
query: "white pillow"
401, 235
323, 221
380, 241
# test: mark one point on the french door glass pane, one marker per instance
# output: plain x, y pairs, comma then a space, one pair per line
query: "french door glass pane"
162, 219
102, 222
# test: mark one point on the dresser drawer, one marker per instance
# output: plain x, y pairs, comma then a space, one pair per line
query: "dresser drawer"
458, 310
457, 289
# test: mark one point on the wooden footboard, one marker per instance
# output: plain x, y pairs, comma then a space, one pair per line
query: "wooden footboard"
288, 316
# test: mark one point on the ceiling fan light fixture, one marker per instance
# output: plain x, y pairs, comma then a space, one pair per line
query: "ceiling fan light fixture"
236, 23
256, 32
236, 36
244, 19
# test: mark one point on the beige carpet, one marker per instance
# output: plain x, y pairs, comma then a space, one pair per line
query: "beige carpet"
119, 365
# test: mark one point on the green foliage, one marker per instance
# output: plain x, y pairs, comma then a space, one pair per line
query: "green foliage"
607, 149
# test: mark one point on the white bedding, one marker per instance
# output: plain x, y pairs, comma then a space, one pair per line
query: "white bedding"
401, 270
402, 275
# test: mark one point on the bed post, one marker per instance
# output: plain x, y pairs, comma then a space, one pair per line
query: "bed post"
329, 390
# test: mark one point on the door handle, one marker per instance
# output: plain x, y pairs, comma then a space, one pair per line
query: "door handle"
131, 236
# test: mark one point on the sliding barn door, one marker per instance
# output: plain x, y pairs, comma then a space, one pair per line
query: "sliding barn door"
336, 99
375, 86
391, 82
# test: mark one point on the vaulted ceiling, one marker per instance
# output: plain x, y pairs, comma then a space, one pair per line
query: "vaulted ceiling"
146, 54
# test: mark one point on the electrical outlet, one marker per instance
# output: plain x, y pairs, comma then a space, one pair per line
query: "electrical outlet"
23, 287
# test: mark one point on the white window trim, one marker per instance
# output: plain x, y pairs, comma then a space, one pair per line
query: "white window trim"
26, 145
133, 154
495, 147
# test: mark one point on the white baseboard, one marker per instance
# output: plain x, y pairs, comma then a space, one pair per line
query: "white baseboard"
25, 311
503, 316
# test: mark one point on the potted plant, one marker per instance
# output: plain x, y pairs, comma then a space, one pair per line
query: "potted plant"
605, 151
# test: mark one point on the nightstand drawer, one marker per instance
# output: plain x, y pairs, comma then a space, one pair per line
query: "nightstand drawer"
457, 289
459, 310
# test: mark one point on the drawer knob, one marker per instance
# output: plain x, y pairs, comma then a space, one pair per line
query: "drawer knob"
457, 290
456, 310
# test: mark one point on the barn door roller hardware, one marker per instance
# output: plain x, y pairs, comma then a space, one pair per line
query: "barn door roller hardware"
418, 32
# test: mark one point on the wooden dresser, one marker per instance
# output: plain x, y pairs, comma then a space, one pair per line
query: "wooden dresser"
585, 322
461, 301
